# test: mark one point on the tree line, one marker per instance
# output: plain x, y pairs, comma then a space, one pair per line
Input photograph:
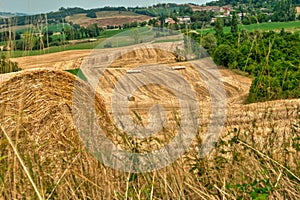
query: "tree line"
31, 40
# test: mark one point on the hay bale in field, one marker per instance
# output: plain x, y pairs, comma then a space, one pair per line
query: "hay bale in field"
131, 98
36, 114
178, 67
133, 71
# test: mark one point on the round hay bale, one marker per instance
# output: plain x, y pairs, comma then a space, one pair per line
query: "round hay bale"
36, 115
131, 98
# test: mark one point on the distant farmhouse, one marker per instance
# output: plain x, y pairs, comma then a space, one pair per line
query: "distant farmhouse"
225, 10
184, 19
221, 11
170, 21
297, 11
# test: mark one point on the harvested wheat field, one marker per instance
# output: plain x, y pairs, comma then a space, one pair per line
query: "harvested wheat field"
43, 157
108, 18
61, 61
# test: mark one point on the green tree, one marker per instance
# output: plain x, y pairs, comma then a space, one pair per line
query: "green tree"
224, 55
70, 33
30, 40
135, 35
93, 30
181, 10
284, 10
209, 42
219, 27
91, 15
162, 18
234, 24
7, 66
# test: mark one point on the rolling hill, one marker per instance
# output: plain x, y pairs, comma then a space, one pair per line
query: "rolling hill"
105, 18
11, 14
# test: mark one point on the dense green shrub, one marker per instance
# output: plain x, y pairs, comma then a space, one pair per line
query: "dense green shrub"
7, 66
224, 55
271, 58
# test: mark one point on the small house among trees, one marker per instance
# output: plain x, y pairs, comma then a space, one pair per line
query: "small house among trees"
298, 11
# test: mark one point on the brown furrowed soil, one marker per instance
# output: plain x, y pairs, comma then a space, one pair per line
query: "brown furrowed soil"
107, 18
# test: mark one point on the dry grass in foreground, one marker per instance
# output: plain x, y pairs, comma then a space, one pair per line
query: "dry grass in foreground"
42, 156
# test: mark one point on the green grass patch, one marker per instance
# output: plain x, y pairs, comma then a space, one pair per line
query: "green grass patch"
272, 26
123, 32
115, 38
56, 27
111, 33
109, 39
167, 40
51, 27
55, 49
290, 26
77, 72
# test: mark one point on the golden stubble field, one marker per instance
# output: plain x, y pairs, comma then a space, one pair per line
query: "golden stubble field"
43, 157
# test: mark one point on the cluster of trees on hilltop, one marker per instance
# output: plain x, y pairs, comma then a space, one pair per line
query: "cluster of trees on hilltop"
79, 32
262, 10
253, 3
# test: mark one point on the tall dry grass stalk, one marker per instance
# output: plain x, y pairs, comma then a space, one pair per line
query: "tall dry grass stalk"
22, 164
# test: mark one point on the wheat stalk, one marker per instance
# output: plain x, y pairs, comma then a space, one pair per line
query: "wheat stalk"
22, 163
267, 157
